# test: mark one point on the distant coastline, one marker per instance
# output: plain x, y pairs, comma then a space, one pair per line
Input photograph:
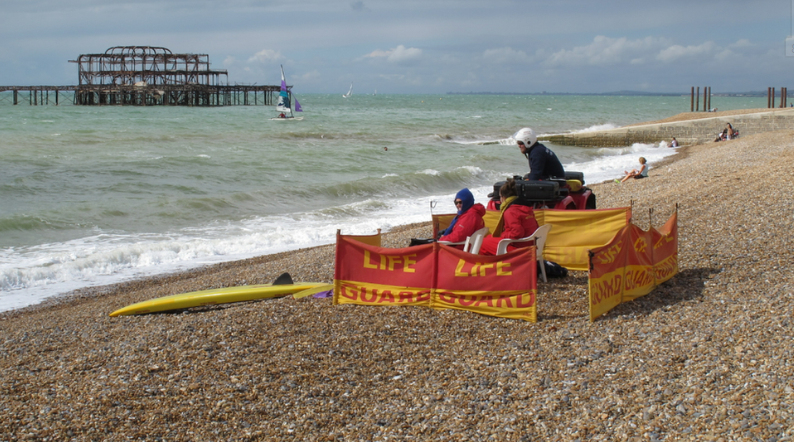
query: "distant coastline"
625, 93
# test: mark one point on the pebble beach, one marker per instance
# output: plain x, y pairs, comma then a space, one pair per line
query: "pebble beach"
707, 355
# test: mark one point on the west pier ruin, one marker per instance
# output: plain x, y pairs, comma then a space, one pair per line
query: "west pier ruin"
145, 76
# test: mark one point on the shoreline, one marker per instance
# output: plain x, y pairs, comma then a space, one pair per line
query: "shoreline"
703, 356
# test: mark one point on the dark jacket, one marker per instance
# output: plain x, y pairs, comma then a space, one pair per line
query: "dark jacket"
543, 163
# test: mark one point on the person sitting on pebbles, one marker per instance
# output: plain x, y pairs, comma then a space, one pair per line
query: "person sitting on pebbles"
636, 174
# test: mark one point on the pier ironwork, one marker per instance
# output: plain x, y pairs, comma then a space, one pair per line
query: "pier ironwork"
145, 76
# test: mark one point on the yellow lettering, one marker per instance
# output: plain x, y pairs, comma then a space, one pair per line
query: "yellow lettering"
367, 264
459, 268
483, 267
409, 260
393, 260
500, 269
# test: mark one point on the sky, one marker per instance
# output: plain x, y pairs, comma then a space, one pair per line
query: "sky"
420, 46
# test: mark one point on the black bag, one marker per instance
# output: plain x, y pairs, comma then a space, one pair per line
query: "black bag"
553, 270
420, 241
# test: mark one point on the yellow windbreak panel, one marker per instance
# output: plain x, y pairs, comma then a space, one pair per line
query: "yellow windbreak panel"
574, 232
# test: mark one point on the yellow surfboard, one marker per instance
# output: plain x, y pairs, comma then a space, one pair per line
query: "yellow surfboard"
224, 295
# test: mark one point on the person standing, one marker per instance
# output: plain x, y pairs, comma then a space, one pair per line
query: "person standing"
543, 163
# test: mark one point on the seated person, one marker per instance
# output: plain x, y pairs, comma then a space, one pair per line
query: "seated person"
493, 201
467, 221
515, 221
636, 174
543, 163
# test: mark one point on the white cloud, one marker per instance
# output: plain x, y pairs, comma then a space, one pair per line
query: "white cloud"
309, 76
399, 55
229, 61
743, 43
676, 52
605, 51
505, 55
265, 56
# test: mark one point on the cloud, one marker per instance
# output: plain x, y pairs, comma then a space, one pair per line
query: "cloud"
676, 52
358, 6
605, 51
505, 55
399, 55
743, 43
310, 76
266, 56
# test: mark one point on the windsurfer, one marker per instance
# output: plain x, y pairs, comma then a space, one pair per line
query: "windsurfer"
543, 163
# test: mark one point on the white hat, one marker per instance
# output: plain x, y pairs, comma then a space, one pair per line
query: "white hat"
526, 136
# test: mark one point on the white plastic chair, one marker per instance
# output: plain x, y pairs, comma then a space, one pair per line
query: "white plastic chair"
540, 240
472, 243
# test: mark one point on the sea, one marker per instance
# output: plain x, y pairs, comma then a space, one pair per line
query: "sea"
91, 195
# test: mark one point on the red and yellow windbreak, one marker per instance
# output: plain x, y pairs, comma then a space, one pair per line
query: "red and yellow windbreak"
436, 276
573, 232
632, 265
503, 286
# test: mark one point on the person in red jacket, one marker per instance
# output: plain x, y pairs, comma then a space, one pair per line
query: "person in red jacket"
467, 221
516, 221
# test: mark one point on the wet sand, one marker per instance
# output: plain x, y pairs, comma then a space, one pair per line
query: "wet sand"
706, 356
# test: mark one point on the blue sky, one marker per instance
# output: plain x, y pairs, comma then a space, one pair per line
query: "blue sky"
414, 46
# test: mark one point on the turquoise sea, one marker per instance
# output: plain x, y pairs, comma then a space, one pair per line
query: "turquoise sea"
97, 195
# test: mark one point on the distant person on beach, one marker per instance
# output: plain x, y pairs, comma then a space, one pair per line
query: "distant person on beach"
543, 163
636, 174
674, 143
730, 130
726, 134
515, 221
467, 221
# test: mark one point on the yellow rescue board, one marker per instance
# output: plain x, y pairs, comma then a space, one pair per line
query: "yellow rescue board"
215, 296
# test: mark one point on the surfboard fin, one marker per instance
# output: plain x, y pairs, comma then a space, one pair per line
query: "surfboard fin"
284, 279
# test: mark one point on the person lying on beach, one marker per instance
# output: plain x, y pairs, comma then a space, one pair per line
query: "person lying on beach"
636, 174
467, 221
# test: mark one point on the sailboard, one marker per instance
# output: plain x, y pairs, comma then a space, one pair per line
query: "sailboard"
284, 105
350, 92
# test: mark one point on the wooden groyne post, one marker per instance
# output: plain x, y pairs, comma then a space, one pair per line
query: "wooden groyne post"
694, 100
697, 101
